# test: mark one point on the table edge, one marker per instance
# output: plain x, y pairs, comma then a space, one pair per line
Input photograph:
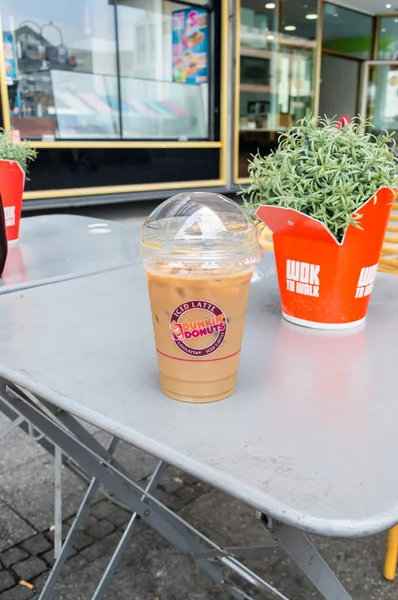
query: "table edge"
259, 501
22, 287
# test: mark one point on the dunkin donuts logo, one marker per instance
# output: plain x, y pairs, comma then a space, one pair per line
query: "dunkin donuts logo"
198, 337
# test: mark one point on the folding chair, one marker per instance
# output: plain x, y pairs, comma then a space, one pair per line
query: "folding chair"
389, 253
265, 236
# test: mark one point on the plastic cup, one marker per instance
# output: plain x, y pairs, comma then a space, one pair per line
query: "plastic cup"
199, 252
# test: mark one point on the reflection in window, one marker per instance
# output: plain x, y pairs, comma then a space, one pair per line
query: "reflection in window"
277, 60
388, 39
382, 96
65, 80
347, 32
164, 69
85, 105
61, 65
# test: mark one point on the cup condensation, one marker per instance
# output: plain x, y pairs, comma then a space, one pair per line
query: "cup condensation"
199, 252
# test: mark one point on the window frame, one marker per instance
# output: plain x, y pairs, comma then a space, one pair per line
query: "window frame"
217, 135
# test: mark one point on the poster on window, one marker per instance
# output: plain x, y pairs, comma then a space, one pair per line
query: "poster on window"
9, 55
10, 63
190, 45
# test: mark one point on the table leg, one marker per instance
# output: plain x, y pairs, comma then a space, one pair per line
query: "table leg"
17, 423
26, 427
308, 560
127, 535
57, 502
77, 524
96, 460
150, 510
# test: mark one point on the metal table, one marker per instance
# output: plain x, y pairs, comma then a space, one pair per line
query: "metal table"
308, 439
55, 248
58, 247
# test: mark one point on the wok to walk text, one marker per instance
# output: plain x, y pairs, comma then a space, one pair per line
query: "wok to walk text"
302, 278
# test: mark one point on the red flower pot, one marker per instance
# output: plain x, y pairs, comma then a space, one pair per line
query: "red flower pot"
12, 181
324, 283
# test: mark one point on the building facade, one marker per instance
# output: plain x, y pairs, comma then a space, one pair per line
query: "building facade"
128, 99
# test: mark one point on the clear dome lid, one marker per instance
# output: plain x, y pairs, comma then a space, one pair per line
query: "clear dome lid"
199, 226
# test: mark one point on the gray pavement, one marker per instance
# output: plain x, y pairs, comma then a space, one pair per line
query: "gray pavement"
151, 569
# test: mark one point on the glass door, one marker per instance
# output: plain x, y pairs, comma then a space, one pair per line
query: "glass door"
380, 94
276, 52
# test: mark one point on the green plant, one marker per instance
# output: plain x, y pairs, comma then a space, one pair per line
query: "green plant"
22, 153
324, 172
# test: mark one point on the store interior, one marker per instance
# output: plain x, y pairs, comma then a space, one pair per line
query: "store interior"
302, 57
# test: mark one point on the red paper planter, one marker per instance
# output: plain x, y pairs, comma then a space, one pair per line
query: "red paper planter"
12, 181
323, 283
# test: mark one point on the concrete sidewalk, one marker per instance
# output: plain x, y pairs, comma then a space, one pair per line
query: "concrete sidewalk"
151, 569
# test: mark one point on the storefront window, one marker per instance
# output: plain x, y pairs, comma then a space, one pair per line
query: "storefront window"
164, 66
382, 96
388, 39
347, 32
68, 79
61, 68
276, 75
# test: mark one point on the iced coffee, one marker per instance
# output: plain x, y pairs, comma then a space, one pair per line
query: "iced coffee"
199, 252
